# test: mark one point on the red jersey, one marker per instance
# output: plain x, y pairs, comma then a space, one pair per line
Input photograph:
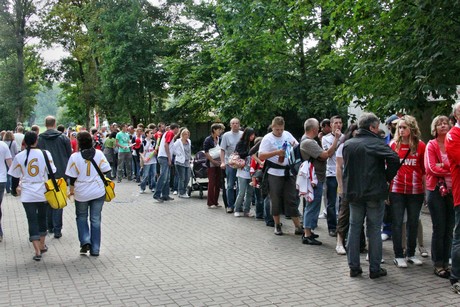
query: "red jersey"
452, 144
409, 179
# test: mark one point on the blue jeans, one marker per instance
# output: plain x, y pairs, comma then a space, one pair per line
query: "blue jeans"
54, 219
230, 173
245, 193
162, 190
442, 217
373, 211
36, 218
183, 178
136, 167
148, 176
311, 212
331, 193
85, 234
400, 203
2, 190
259, 203
455, 272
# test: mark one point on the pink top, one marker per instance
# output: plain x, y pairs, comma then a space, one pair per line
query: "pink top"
433, 155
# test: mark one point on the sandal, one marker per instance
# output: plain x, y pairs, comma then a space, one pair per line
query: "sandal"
37, 257
441, 272
45, 249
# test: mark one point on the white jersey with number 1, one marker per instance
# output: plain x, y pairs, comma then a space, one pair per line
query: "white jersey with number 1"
33, 175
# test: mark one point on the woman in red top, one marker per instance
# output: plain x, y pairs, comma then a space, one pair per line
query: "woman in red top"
407, 188
439, 191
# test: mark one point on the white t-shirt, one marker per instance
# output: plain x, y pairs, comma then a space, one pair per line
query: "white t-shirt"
19, 137
5, 154
33, 175
327, 141
88, 185
228, 143
271, 143
149, 148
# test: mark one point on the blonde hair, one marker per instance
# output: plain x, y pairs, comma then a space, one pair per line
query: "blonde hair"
278, 121
436, 121
415, 134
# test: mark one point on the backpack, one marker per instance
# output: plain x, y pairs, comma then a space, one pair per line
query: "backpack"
295, 159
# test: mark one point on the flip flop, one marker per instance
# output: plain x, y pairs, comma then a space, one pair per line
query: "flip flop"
44, 250
37, 257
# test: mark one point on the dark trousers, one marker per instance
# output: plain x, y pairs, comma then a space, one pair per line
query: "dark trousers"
443, 219
213, 185
343, 224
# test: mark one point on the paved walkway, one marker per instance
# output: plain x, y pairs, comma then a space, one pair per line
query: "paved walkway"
180, 253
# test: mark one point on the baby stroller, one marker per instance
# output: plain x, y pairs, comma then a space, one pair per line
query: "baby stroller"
199, 172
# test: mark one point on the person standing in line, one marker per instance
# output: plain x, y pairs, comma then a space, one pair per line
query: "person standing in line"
331, 180
148, 155
310, 150
59, 147
407, 190
369, 165
183, 153
165, 162
5, 161
213, 164
88, 189
9, 141
439, 196
452, 144
228, 145
30, 166
274, 148
124, 153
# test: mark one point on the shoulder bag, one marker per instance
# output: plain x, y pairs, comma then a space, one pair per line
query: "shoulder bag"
109, 184
56, 190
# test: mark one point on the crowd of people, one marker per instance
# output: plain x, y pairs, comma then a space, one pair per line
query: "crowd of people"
363, 175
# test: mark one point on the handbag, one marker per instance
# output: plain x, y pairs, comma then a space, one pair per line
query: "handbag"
109, 184
215, 152
235, 161
56, 190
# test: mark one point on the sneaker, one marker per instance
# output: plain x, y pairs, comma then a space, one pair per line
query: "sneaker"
85, 248
57, 235
310, 241
333, 233
356, 273
423, 251
299, 231
238, 214
414, 260
212, 207
248, 214
183, 196
456, 287
385, 236
400, 262
141, 191
278, 231
229, 210
158, 199
175, 193
314, 235
380, 273
367, 259
340, 250
322, 216
167, 198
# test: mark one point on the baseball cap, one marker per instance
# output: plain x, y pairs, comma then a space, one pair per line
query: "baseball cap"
391, 119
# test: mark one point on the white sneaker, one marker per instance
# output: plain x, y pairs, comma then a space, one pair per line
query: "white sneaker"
381, 261
175, 193
238, 214
141, 191
385, 237
322, 216
414, 260
184, 196
212, 207
400, 262
340, 250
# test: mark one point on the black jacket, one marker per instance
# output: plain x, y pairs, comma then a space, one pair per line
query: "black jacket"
369, 165
59, 147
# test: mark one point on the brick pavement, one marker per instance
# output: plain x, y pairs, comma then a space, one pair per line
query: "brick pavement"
182, 254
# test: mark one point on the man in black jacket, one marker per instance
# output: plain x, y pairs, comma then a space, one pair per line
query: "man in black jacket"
369, 165
59, 147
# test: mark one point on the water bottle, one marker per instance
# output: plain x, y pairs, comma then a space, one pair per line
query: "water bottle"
281, 158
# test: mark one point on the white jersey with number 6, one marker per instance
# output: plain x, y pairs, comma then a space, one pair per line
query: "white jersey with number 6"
33, 175
88, 185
